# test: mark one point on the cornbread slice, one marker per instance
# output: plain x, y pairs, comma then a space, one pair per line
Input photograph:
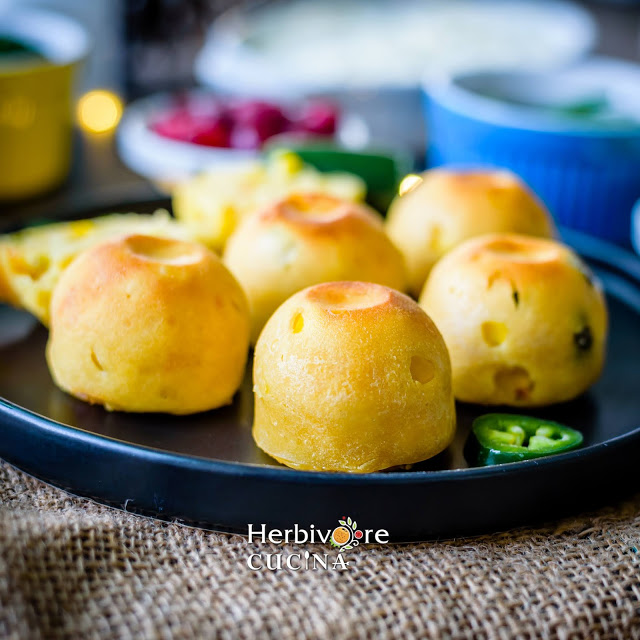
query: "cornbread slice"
217, 201
32, 260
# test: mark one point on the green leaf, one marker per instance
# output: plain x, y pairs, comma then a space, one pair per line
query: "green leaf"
354, 525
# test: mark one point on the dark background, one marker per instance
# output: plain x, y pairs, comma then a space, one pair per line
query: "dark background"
159, 39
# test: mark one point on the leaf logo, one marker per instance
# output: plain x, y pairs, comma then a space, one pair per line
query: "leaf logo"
347, 535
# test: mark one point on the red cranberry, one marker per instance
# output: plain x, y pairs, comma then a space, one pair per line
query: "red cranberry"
319, 118
242, 124
212, 129
176, 124
216, 134
266, 119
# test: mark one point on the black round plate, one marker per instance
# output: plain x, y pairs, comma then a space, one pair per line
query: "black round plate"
206, 471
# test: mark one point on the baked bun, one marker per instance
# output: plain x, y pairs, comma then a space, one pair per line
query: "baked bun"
149, 324
523, 318
306, 239
447, 207
351, 376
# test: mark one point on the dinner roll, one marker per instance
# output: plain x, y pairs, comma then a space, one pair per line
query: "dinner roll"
351, 376
524, 319
149, 324
306, 239
447, 207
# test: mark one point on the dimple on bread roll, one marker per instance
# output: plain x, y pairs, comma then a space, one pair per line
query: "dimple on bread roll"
354, 377
306, 239
523, 318
147, 324
448, 206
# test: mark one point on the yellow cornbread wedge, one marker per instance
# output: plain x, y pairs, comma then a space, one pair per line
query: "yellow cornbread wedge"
216, 201
32, 260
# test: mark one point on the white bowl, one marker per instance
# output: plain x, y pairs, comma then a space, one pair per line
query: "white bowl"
165, 160
160, 158
371, 57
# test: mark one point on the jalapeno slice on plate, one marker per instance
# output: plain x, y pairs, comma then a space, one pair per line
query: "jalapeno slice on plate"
503, 437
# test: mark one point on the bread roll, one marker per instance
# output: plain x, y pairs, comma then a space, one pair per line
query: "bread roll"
351, 376
447, 207
149, 324
306, 239
523, 318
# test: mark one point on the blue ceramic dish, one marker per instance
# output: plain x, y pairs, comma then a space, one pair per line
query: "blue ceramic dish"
572, 135
635, 227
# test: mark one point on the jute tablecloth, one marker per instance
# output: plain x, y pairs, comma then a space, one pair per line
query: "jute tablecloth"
70, 568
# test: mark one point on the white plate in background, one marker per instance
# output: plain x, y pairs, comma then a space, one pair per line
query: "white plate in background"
371, 55
166, 160
315, 47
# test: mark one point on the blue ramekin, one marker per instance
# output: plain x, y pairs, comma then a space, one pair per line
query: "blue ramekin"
588, 176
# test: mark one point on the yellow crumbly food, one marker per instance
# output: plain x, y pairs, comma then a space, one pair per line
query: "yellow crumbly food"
32, 260
524, 320
149, 324
306, 239
446, 207
351, 376
217, 200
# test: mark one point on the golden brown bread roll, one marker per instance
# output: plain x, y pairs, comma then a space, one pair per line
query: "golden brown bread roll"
306, 239
524, 320
149, 324
351, 376
449, 206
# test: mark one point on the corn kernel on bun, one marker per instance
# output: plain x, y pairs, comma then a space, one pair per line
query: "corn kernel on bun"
217, 201
351, 376
447, 207
32, 260
306, 239
149, 324
523, 318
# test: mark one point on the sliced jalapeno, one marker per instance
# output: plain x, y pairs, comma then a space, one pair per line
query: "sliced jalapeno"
503, 437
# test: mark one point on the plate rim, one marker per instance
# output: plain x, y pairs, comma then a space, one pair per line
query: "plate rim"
247, 469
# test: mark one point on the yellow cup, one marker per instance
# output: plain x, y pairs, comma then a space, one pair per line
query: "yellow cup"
36, 109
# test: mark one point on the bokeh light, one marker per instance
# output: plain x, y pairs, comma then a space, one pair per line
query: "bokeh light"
99, 111
409, 182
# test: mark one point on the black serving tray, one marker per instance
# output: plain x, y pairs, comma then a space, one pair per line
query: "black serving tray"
205, 470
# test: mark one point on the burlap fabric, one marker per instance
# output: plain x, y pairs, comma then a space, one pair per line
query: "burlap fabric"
72, 569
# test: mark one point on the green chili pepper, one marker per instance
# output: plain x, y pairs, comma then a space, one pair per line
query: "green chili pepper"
503, 437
